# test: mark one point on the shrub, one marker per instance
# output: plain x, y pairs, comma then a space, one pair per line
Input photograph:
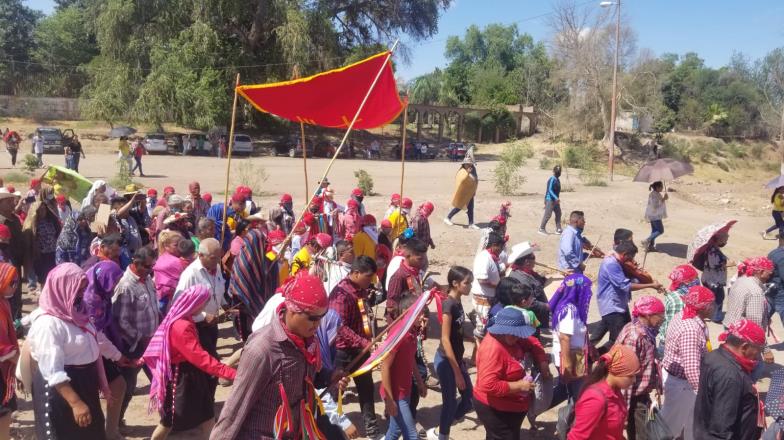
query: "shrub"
123, 176
30, 163
16, 177
251, 175
506, 175
757, 150
593, 175
364, 181
546, 163
581, 156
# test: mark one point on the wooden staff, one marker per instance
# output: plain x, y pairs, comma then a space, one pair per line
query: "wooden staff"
342, 142
228, 162
403, 151
304, 159
554, 269
366, 350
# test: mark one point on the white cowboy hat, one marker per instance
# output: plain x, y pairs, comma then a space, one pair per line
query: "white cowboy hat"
521, 250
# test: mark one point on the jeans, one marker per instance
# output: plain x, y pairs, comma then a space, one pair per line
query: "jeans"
451, 409
637, 418
13, 152
403, 423
657, 229
365, 389
718, 291
550, 207
612, 322
469, 211
499, 425
779, 220
138, 165
75, 157
40, 157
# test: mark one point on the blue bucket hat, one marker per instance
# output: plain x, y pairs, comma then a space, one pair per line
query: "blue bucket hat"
511, 321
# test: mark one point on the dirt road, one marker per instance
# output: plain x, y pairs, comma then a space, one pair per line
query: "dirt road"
621, 204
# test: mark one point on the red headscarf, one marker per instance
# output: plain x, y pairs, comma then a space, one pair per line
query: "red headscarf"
324, 240
681, 275
698, 298
207, 197
357, 192
168, 191
407, 203
746, 330
751, 265
276, 237
395, 200
426, 209
304, 293
647, 306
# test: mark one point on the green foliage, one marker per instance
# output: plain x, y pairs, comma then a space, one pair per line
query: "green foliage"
123, 177
16, 177
30, 163
581, 156
593, 174
17, 23
545, 163
506, 175
364, 181
249, 174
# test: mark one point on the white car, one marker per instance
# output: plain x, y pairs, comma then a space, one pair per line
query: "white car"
242, 144
155, 143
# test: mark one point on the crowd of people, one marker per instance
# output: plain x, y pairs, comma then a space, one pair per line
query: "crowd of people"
133, 283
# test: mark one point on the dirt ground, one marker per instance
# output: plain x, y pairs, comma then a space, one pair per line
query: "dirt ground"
692, 204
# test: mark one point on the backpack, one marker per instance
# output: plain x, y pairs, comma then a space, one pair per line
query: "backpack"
566, 416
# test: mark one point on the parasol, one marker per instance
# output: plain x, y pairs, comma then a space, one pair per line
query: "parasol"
775, 183
121, 131
663, 170
704, 236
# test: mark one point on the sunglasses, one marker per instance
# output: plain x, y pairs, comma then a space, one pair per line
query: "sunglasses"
315, 318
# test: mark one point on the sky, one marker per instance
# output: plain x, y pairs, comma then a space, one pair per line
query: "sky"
712, 28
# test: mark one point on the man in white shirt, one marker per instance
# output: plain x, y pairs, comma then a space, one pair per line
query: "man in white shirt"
487, 275
205, 271
38, 148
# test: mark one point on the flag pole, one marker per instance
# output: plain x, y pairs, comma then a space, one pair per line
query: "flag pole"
343, 140
228, 162
403, 151
304, 158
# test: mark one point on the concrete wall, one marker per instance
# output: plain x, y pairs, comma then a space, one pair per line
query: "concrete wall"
39, 108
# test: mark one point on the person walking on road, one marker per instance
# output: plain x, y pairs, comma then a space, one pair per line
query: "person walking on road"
138, 152
466, 183
655, 213
552, 201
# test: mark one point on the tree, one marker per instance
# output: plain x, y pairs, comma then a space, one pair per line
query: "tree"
17, 23
770, 80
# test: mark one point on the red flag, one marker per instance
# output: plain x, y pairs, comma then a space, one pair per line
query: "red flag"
331, 99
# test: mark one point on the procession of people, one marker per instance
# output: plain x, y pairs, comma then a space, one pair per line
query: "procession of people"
144, 291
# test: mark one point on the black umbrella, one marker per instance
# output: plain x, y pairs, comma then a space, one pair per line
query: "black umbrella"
121, 131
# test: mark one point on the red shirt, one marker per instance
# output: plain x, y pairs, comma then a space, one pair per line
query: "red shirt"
344, 300
185, 347
600, 414
496, 365
403, 368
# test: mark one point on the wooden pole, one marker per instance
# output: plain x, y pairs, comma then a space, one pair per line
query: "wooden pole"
228, 161
304, 159
403, 151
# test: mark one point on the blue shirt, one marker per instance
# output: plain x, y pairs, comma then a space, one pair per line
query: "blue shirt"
216, 213
570, 251
553, 188
615, 290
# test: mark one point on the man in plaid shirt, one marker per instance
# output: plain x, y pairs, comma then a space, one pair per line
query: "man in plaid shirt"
682, 278
746, 298
640, 336
352, 336
686, 344
135, 310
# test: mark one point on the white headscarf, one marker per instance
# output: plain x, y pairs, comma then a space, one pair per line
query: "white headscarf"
88, 201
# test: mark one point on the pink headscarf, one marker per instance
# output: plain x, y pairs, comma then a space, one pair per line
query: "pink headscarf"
158, 353
63, 286
698, 298
683, 274
647, 306
746, 330
754, 264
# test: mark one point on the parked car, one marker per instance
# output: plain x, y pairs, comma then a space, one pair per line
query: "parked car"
54, 141
156, 143
242, 144
295, 149
456, 151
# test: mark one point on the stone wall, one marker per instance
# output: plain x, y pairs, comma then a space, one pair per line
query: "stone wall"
39, 108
